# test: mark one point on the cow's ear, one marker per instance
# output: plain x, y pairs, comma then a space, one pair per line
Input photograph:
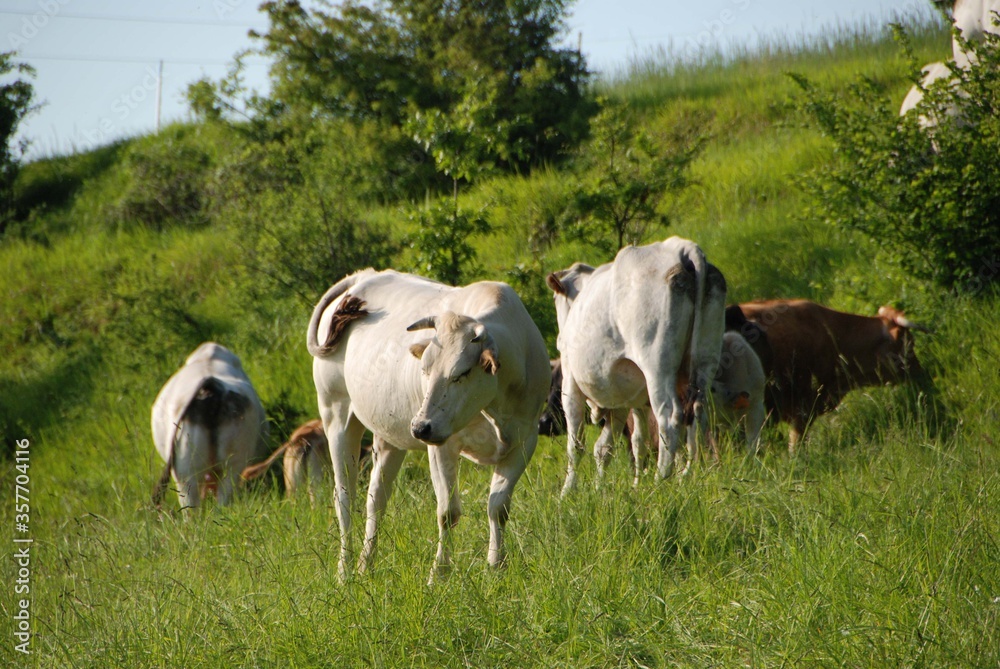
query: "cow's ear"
417, 350
555, 284
427, 323
488, 359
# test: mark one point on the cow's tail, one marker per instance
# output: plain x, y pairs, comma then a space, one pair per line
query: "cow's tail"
699, 265
710, 291
205, 401
256, 471
160, 489
312, 335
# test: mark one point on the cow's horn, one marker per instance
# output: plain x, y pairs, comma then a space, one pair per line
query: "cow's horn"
423, 324
904, 322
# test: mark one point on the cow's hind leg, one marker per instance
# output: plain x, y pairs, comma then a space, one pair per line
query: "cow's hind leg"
315, 465
191, 463
387, 459
640, 439
669, 413
698, 428
234, 442
343, 433
444, 476
575, 406
614, 420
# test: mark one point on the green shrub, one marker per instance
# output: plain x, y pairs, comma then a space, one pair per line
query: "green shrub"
15, 104
628, 173
441, 244
929, 196
296, 221
164, 184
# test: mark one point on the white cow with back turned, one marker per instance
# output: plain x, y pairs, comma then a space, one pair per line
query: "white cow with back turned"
208, 425
629, 331
424, 366
973, 19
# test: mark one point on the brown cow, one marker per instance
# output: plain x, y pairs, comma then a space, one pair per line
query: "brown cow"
305, 455
815, 355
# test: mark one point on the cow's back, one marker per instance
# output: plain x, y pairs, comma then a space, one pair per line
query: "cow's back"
817, 354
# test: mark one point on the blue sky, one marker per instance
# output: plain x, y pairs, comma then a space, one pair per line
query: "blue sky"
97, 61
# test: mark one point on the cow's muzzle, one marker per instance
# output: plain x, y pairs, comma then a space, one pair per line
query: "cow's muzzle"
424, 431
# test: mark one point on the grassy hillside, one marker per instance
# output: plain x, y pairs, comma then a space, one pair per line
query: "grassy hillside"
876, 546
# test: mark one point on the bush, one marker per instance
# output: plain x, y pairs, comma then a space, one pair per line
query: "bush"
929, 196
296, 221
442, 242
629, 173
165, 183
15, 104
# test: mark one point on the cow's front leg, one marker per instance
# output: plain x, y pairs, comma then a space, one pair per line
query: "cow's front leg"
188, 494
505, 477
754, 424
343, 434
575, 406
444, 476
796, 431
387, 460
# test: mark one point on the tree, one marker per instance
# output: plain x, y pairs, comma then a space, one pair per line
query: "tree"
389, 59
629, 173
15, 105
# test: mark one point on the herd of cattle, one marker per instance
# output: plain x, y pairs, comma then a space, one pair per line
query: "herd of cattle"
647, 346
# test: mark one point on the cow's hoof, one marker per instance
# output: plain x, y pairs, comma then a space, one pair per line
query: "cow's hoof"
568, 486
439, 572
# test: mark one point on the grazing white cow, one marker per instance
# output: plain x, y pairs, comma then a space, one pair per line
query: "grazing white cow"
429, 367
208, 425
305, 460
738, 388
628, 331
932, 72
973, 19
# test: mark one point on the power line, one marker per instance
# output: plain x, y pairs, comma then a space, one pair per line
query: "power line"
135, 19
127, 59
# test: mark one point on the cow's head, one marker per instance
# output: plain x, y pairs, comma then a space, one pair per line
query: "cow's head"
896, 358
566, 285
459, 365
553, 419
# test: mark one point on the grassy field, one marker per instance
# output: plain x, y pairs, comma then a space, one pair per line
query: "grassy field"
876, 546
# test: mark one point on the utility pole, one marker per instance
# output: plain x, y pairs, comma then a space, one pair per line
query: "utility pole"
159, 95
